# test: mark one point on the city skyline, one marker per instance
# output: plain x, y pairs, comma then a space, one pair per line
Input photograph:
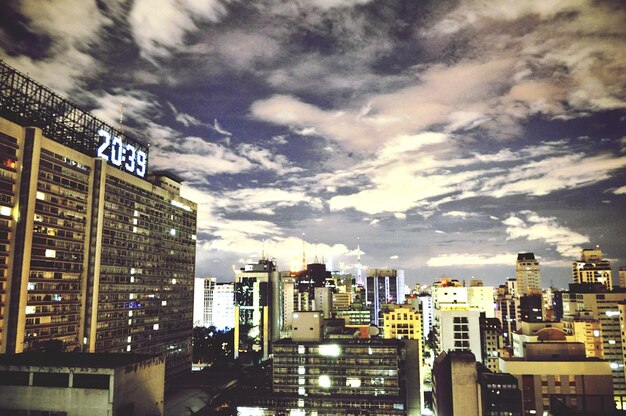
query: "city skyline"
443, 138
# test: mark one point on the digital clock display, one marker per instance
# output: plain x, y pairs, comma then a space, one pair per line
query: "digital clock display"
126, 156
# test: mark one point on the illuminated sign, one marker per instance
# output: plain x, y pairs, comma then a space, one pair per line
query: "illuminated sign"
125, 156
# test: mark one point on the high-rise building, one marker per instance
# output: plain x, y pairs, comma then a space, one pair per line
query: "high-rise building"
203, 300
594, 301
530, 308
490, 342
622, 276
506, 312
97, 252
457, 330
214, 304
527, 274
257, 310
381, 288
592, 268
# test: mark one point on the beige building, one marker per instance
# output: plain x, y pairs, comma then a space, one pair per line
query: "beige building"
78, 384
587, 331
527, 274
558, 369
592, 268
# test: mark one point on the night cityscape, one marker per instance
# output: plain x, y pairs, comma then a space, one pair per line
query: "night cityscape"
312, 207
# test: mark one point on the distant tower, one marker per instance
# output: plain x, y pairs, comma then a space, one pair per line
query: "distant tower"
359, 273
591, 268
528, 274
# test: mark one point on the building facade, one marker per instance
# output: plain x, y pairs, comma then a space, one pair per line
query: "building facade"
527, 274
98, 253
77, 384
257, 310
592, 268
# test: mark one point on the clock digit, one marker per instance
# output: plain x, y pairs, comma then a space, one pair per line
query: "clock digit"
130, 158
104, 145
141, 163
116, 151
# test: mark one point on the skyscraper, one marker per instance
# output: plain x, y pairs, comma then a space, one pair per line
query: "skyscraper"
257, 310
381, 288
97, 252
527, 274
592, 268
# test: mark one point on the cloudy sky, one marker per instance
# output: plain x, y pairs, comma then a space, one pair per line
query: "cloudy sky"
443, 137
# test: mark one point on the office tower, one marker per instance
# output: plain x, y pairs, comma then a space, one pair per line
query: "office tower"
402, 322
381, 287
257, 306
203, 300
594, 301
490, 342
592, 268
499, 393
558, 369
223, 309
527, 274
99, 253
530, 308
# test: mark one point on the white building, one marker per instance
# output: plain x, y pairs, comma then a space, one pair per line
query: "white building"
214, 303
478, 298
458, 330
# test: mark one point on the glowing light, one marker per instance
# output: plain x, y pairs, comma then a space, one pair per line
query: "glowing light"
330, 350
6, 211
612, 313
324, 381
596, 332
51, 253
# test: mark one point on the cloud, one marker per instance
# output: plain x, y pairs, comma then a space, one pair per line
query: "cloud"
265, 201
72, 32
160, 26
460, 214
529, 225
620, 191
467, 259
183, 118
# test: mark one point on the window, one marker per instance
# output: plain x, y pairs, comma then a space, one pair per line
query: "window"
51, 379
91, 381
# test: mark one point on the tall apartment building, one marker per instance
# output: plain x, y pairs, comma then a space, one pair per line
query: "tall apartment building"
95, 251
527, 274
490, 342
458, 330
506, 312
594, 301
592, 268
203, 300
257, 310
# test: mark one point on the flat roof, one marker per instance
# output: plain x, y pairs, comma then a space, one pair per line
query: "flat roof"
74, 359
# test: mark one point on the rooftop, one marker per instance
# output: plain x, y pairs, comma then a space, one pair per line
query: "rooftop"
74, 359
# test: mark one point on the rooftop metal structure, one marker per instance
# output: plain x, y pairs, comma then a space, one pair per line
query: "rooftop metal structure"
28, 103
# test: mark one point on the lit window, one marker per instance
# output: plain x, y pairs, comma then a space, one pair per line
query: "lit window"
596, 332
6, 211
332, 350
300, 380
163, 303
301, 391
324, 381
30, 310
128, 348
301, 349
51, 253
301, 370
129, 339
155, 327
353, 382
41, 196
172, 232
